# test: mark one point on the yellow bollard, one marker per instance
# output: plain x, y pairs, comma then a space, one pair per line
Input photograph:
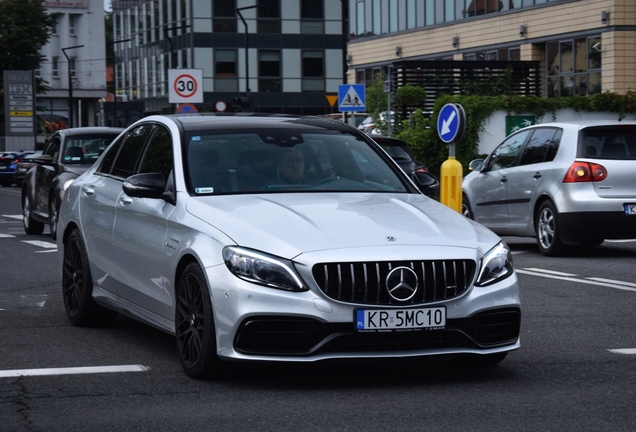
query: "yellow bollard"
451, 184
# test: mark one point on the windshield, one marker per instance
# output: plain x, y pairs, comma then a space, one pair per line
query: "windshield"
85, 149
276, 160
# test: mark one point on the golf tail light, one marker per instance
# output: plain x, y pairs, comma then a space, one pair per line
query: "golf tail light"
422, 169
585, 172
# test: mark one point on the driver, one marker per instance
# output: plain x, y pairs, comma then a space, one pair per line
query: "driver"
291, 167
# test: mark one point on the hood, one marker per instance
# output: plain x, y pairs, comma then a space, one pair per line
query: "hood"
290, 224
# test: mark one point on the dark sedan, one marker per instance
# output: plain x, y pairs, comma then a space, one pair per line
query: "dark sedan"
26, 163
8, 163
67, 154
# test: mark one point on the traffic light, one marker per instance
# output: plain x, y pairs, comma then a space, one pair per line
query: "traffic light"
241, 103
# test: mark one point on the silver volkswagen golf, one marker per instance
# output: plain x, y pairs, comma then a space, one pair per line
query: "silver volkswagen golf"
566, 184
274, 238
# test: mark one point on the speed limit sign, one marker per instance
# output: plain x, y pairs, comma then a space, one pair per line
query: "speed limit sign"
185, 86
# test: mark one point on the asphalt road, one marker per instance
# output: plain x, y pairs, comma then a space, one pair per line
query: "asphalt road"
575, 371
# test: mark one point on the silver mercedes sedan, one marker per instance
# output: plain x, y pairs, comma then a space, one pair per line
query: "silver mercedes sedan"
276, 238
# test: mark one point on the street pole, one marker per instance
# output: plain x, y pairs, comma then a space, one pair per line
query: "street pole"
70, 84
247, 63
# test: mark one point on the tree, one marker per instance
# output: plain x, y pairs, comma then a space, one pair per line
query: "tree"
25, 27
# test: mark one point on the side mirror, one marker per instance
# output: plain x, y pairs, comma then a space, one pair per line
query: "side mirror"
476, 165
146, 185
43, 159
427, 183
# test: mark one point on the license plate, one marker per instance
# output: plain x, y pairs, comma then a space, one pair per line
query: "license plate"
376, 320
630, 209
3, 167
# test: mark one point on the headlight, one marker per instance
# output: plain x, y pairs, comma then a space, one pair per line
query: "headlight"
67, 183
496, 265
263, 269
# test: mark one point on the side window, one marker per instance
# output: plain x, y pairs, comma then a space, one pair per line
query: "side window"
506, 154
111, 153
53, 148
131, 148
553, 146
537, 146
158, 154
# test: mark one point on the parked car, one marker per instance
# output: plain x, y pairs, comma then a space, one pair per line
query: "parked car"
26, 163
67, 154
566, 184
8, 163
197, 226
370, 127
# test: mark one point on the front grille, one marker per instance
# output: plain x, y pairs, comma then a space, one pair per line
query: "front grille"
365, 283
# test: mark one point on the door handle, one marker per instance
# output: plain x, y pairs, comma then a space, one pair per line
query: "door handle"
537, 175
125, 200
503, 179
88, 190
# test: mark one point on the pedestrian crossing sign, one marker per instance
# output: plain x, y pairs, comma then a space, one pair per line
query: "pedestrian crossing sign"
351, 97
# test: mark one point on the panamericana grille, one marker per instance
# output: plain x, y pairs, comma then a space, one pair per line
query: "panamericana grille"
365, 282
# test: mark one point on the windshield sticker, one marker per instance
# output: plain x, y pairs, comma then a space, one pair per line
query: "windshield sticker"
196, 138
204, 190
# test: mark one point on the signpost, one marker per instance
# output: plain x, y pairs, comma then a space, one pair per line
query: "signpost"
185, 86
19, 103
451, 125
186, 109
351, 97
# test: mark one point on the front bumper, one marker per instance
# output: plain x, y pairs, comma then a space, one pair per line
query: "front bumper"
263, 324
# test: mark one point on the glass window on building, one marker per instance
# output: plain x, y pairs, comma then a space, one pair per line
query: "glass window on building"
55, 72
225, 75
268, 16
72, 23
269, 71
224, 16
574, 67
312, 17
313, 71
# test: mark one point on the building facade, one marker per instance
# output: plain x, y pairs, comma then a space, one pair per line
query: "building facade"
74, 67
255, 55
584, 46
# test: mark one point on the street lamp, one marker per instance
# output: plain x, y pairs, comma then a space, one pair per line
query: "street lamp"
247, 63
115, 78
70, 84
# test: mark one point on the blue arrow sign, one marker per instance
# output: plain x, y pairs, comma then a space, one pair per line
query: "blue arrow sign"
448, 122
351, 97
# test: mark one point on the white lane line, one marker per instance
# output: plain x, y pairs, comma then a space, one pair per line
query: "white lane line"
552, 272
621, 241
41, 243
584, 281
518, 252
6, 236
12, 216
613, 282
623, 351
47, 251
72, 370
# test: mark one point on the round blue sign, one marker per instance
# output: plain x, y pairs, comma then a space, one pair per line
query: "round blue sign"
449, 122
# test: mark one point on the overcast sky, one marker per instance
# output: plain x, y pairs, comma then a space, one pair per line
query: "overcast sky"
106, 5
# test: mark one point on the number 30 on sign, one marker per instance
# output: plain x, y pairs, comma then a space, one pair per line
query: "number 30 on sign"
185, 86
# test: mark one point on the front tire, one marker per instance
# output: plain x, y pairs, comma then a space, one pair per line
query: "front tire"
548, 231
194, 325
31, 226
77, 286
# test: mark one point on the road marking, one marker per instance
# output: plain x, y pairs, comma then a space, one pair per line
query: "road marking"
622, 241
72, 370
6, 236
12, 216
47, 245
623, 351
631, 284
571, 279
47, 251
552, 272
37, 300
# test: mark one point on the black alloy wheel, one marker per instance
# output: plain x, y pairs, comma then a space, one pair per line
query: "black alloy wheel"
194, 326
53, 215
30, 225
77, 286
